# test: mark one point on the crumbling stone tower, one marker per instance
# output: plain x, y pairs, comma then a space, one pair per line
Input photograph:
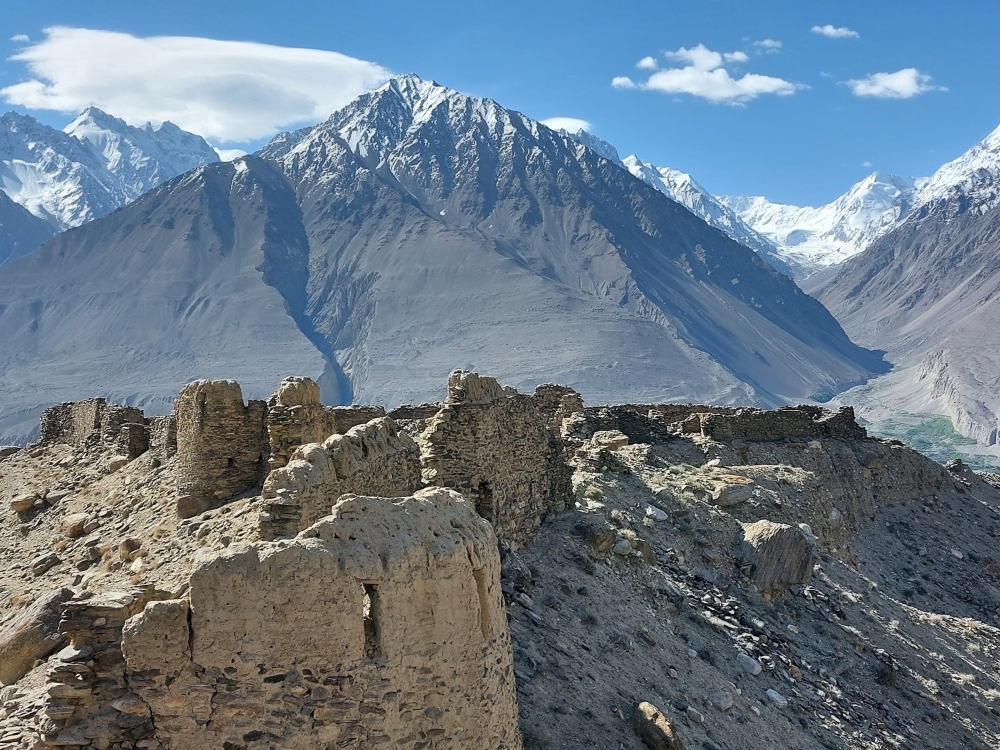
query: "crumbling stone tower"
222, 444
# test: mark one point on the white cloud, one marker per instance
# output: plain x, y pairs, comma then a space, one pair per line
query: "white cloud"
230, 154
866, 164
20, 38
704, 76
835, 32
569, 124
770, 45
231, 92
903, 84
647, 63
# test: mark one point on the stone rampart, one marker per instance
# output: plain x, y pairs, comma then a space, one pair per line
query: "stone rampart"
788, 423
495, 449
222, 444
373, 458
95, 421
380, 626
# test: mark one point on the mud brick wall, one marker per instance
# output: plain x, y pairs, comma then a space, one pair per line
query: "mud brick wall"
381, 626
222, 444
371, 459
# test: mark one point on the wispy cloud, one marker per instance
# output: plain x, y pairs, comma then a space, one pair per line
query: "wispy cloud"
835, 32
866, 164
647, 63
702, 74
20, 38
903, 84
229, 92
569, 124
768, 45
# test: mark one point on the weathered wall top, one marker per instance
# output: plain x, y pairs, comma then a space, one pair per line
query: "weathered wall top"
472, 388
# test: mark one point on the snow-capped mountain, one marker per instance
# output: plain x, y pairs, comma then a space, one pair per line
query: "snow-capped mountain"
140, 158
415, 231
685, 190
99, 163
809, 239
973, 175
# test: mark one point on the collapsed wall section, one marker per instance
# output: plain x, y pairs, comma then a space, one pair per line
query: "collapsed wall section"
95, 421
382, 625
373, 459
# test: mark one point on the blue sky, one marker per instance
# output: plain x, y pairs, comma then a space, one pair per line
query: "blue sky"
802, 132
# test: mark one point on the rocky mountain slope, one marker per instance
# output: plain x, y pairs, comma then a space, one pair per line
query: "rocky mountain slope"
926, 292
673, 576
415, 230
20, 230
97, 164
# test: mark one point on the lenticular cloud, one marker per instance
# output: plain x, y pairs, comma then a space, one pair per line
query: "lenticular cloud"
229, 92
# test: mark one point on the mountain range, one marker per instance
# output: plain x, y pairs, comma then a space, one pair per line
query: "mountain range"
415, 231
64, 178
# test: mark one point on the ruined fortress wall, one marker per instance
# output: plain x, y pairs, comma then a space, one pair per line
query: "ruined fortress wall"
222, 444
372, 459
495, 449
403, 643
80, 422
788, 423
71, 422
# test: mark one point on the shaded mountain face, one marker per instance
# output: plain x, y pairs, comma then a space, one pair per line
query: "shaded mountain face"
20, 231
416, 231
99, 163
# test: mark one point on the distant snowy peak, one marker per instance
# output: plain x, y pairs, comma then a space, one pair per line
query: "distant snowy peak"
809, 239
974, 174
97, 164
682, 188
594, 143
141, 158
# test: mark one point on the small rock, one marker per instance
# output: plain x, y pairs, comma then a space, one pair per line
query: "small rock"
836, 518
655, 514
54, 496
653, 729
72, 525
750, 665
792, 629
22, 503
131, 704
8, 450
727, 495
692, 653
44, 563
695, 715
622, 547
755, 710
723, 700
116, 463
714, 463
922, 552
776, 698
957, 554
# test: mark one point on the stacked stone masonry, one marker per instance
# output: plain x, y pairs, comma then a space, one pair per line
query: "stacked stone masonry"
495, 449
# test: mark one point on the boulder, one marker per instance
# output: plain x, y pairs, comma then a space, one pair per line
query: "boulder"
779, 553
653, 729
32, 635
22, 503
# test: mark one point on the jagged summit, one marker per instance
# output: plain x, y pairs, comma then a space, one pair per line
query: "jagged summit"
96, 164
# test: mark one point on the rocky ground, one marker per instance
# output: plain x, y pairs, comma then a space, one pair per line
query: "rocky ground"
643, 591
892, 642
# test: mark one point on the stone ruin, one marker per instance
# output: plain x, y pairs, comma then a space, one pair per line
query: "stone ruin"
383, 625
368, 612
